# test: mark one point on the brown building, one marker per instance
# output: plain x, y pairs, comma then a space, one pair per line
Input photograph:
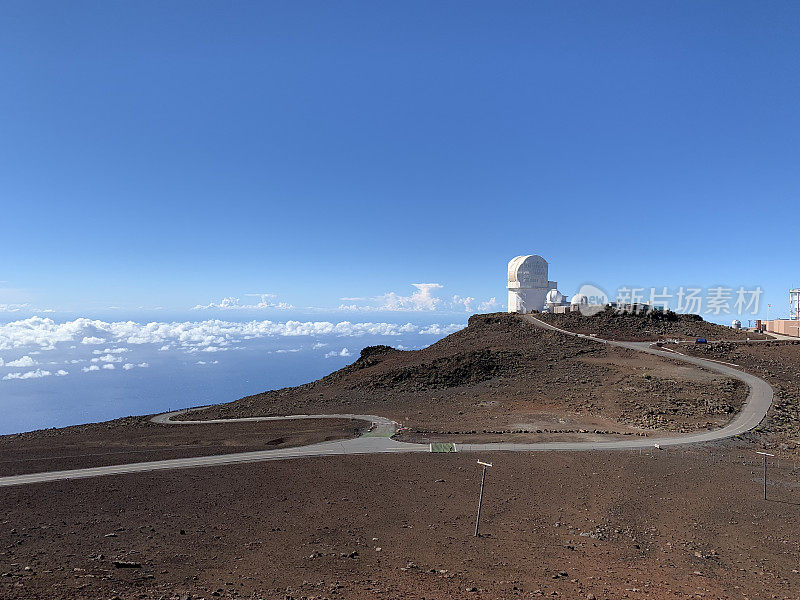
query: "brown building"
782, 326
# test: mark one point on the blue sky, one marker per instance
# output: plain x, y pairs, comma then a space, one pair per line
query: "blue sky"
174, 154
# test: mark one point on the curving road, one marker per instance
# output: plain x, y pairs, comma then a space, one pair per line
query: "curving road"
753, 411
380, 426
378, 438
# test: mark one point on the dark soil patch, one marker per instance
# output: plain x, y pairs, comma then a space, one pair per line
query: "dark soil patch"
135, 439
645, 326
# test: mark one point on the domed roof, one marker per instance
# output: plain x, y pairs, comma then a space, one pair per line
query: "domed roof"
736, 324
554, 297
579, 299
530, 271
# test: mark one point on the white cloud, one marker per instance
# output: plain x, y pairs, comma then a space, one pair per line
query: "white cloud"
109, 367
437, 329
38, 373
110, 351
319, 345
232, 303
344, 352
107, 358
490, 305
25, 361
12, 307
25, 307
61, 373
92, 340
189, 335
129, 366
90, 368
466, 302
353, 307
286, 351
202, 362
164, 348
422, 300
469, 304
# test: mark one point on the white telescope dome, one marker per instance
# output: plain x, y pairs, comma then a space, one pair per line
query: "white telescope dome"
737, 324
579, 300
528, 283
554, 297
528, 271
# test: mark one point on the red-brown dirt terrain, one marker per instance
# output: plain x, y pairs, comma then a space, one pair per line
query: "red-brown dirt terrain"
778, 363
646, 326
668, 524
502, 376
136, 439
678, 523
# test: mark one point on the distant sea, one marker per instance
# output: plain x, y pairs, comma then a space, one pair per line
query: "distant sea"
58, 370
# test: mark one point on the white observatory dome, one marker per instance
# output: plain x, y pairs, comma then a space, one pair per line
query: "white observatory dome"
528, 271
528, 283
737, 324
554, 297
579, 300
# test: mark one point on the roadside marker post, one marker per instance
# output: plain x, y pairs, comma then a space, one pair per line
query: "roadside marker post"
765, 455
480, 498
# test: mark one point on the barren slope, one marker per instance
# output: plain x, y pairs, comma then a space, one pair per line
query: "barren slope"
650, 326
661, 525
136, 439
501, 376
778, 363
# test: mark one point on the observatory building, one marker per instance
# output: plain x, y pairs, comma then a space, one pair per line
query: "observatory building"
790, 326
528, 285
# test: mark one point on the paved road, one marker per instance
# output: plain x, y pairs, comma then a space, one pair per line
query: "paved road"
377, 440
779, 336
753, 411
381, 426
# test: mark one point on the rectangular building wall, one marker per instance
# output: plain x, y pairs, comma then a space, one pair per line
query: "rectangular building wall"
784, 326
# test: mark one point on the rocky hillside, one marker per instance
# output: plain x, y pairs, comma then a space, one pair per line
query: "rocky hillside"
492, 347
502, 374
649, 326
778, 363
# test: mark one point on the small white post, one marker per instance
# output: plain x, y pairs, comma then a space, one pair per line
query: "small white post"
765, 455
480, 498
